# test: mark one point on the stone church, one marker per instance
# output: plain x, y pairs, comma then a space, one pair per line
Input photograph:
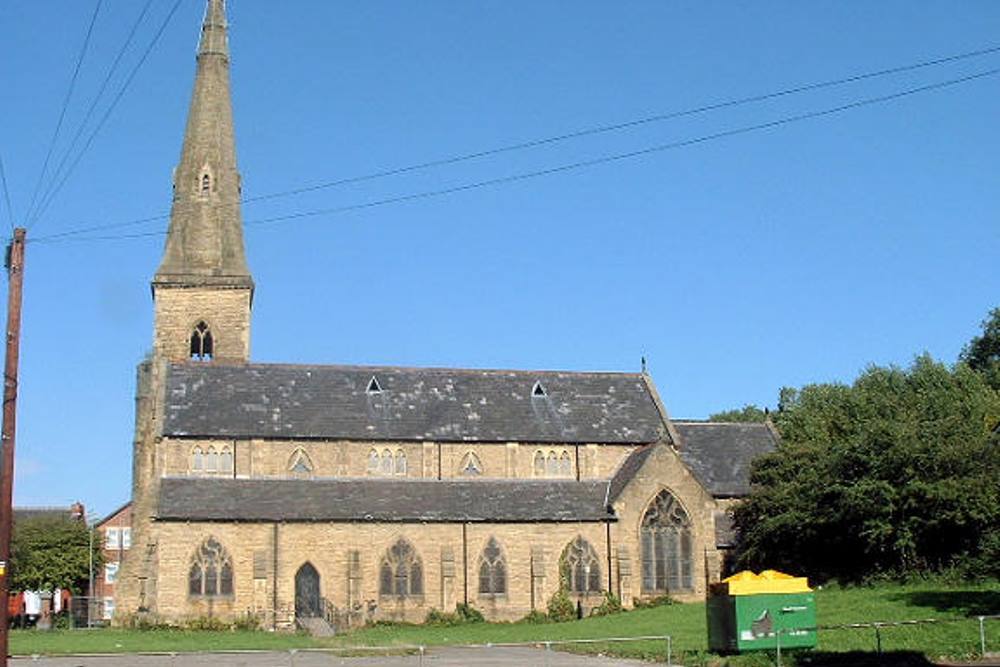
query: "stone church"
374, 492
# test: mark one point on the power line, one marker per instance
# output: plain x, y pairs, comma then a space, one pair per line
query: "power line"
65, 104
97, 98
6, 195
588, 163
107, 113
562, 137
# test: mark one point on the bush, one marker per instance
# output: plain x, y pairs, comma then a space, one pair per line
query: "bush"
536, 617
463, 614
143, 621
205, 623
561, 608
469, 614
611, 605
247, 621
647, 603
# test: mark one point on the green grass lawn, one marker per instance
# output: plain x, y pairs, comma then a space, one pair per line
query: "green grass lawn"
958, 638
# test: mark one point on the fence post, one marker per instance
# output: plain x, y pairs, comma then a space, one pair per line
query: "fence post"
669, 652
421, 663
982, 638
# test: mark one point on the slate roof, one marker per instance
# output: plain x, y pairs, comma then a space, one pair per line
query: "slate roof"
386, 500
627, 470
447, 405
719, 454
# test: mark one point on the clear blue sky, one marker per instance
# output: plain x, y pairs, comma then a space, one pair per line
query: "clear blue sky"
794, 255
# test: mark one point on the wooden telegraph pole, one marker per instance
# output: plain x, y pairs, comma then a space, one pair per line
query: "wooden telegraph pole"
15, 274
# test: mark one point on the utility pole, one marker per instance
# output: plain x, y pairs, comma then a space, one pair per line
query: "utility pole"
15, 275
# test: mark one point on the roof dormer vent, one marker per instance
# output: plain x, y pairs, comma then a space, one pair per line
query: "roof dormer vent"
373, 386
538, 390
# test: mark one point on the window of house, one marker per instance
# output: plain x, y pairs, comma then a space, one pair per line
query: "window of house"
112, 538
401, 573
539, 464
471, 466
126, 538
201, 343
110, 572
226, 460
299, 463
211, 573
665, 540
400, 466
581, 567
492, 570
109, 608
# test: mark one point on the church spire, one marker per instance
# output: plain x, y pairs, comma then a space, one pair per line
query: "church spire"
204, 244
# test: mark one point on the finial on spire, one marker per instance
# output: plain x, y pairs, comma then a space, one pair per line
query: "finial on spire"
214, 40
643, 363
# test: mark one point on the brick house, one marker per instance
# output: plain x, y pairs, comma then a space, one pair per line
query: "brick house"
115, 534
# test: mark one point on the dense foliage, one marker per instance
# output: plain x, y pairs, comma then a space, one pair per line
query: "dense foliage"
49, 552
898, 472
748, 413
983, 352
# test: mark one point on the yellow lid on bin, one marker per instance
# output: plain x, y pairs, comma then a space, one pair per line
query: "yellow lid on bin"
768, 581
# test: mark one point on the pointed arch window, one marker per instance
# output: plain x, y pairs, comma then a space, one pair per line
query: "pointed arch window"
666, 542
385, 464
580, 567
399, 466
401, 572
492, 570
565, 464
226, 459
206, 184
299, 463
202, 344
539, 466
211, 460
211, 573
197, 459
552, 464
373, 461
471, 465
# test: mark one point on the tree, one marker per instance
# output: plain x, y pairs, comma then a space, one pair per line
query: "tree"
898, 472
982, 353
748, 413
49, 552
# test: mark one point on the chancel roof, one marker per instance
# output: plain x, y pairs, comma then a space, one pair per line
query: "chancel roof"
719, 454
393, 403
398, 500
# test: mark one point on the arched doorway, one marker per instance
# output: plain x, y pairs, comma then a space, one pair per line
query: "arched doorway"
307, 601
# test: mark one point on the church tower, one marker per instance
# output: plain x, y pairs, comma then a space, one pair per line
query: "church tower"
203, 289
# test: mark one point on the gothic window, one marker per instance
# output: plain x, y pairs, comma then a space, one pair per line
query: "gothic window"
665, 536
201, 343
552, 465
538, 390
373, 386
492, 570
401, 573
580, 568
373, 461
539, 464
226, 460
471, 466
299, 463
385, 465
565, 464
211, 572
206, 183
400, 467
211, 460
197, 460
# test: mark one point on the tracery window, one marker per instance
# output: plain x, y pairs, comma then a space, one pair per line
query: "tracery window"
212, 460
492, 570
299, 463
211, 573
386, 463
665, 536
471, 465
201, 343
553, 463
401, 572
580, 568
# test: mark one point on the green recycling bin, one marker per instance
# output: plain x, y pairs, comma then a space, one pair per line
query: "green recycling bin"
751, 612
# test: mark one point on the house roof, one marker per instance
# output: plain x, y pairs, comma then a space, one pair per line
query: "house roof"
627, 470
719, 454
392, 500
335, 402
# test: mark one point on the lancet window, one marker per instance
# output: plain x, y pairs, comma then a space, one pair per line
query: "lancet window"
211, 573
212, 459
471, 465
580, 567
387, 463
553, 463
202, 345
665, 536
492, 570
401, 572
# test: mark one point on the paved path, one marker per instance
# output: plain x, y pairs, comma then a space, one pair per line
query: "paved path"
441, 657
